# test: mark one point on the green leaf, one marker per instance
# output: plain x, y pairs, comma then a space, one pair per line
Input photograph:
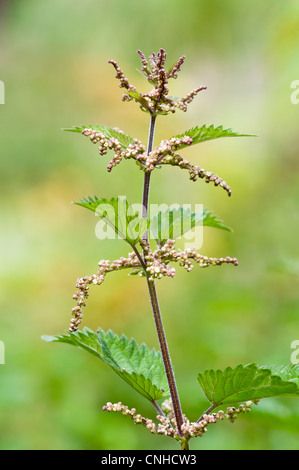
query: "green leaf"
173, 223
211, 220
290, 372
245, 383
139, 98
118, 215
85, 339
138, 366
204, 133
124, 139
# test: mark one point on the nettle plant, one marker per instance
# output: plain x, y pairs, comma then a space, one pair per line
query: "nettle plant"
153, 252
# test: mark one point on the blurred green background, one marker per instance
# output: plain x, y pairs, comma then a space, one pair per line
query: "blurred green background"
54, 65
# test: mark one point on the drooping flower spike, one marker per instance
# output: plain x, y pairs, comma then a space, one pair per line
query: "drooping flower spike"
157, 265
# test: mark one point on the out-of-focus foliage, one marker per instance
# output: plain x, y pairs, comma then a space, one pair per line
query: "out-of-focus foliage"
54, 65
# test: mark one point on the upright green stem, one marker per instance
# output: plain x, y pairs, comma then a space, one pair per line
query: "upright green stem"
147, 174
154, 301
165, 355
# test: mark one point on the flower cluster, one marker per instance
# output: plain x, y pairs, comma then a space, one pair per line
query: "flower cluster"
181, 103
137, 418
83, 283
184, 257
157, 100
176, 67
157, 265
135, 151
195, 171
81, 295
166, 424
124, 82
158, 260
166, 147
